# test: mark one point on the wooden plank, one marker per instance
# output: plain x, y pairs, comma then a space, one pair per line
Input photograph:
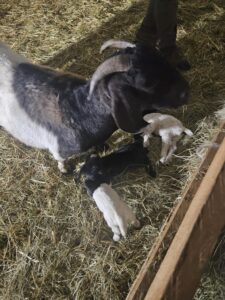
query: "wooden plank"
180, 272
142, 282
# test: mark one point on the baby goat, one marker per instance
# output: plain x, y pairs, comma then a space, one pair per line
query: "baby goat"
168, 128
99, 172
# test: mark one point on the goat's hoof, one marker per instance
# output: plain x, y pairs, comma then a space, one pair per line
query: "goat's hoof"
137, 224
65, 168
151, 171
116, 237
61, 167
162, 160
165, 161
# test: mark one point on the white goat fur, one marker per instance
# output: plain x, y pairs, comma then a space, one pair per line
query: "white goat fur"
115, 211
168, 128
42, 138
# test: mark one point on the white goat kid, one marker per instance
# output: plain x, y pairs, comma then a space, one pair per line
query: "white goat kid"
168, 128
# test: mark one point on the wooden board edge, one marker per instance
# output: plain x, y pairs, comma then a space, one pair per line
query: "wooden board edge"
146, 274
182, 266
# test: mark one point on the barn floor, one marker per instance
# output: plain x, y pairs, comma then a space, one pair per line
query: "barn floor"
54, 243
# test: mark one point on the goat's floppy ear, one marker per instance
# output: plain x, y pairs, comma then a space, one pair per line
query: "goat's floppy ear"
127, 109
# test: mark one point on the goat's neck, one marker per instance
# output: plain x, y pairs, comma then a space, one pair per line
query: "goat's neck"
94, 119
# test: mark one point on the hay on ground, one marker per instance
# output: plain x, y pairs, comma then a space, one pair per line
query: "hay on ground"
54, 243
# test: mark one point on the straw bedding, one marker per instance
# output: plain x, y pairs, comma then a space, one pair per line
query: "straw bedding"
54, 243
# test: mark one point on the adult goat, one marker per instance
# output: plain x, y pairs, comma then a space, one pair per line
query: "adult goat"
67, 115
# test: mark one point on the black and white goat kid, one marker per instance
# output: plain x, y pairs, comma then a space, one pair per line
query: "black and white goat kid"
99, 172
67, 115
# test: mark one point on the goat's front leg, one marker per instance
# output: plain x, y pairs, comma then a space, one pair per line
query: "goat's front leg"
165, 149
146, 139
150, 170
66, 166
172, 149
62, 164
61, 161
168, 158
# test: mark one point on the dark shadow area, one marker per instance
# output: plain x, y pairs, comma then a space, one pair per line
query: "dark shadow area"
85, 54
86, 51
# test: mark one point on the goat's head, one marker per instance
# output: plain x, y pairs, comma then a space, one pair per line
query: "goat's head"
92, 168
144, 80
94, 174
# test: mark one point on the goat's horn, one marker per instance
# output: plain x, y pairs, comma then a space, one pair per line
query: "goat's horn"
118, 63
116, 44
